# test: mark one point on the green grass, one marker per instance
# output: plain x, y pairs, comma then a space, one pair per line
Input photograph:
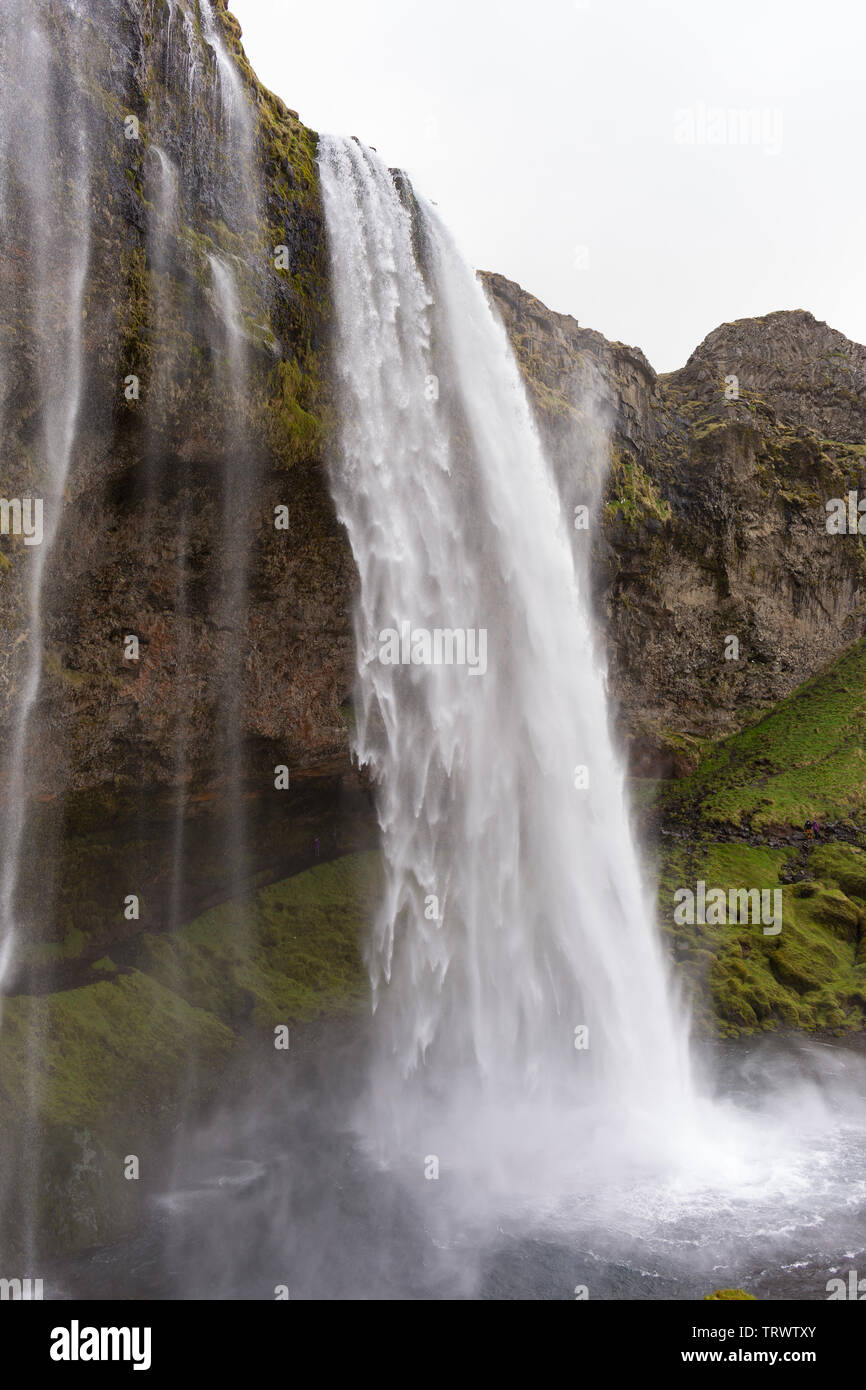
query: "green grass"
292, 954
78, 1056
802, 760
91, 1074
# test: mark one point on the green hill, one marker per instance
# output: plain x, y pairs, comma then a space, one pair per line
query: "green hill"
737, 823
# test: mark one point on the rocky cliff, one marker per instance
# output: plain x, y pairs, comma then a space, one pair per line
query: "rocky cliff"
714, 522
152, 522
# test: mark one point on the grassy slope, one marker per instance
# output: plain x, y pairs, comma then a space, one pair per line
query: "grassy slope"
292, 957
299, 956
101, 1070
803, 760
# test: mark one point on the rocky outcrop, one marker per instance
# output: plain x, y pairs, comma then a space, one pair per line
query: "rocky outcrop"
809, 374
153, 524
713, 525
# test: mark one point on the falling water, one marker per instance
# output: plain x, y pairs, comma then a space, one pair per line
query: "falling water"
231, 353
181, 206
162, 251
201, 75
514, 916
240, 468
235, 105
45, 205
513, 911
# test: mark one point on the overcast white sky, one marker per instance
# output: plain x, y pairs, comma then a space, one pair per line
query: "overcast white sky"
584, 147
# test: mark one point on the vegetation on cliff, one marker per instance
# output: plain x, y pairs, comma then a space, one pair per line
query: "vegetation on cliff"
738, 821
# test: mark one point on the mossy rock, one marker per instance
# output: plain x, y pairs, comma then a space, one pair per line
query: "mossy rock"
291, 953
831, 908
92, 1074
87, 1077
803, 760
810, 975
728, 1294
79, 1055
842, 866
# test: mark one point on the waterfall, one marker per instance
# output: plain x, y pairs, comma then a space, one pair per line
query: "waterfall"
134, 251
200, 73
230, 352
45, 206
514, 955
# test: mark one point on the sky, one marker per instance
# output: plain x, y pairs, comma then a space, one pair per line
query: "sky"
652, 167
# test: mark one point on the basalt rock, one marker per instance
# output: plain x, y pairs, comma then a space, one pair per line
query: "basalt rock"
119, 748
713, 522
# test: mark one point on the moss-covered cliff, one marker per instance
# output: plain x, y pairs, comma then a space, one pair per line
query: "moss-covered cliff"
170, 177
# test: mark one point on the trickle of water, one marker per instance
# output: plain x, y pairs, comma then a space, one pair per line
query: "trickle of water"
231, 355
514, 915
45, 206
165, 210
235, 106
196, 159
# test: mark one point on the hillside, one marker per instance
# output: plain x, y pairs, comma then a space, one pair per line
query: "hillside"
738, 821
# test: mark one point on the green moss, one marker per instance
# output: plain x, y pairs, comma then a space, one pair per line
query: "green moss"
295, 433
631, 493
291, 954
105, 966
702, 429
809, 976
91, 1074
739, 865
794, 763
71, 947
841, 866
93, 1056
729, 1294
803, 760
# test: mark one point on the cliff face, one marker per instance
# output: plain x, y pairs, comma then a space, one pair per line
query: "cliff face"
713, 523
164, 387
162, 190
